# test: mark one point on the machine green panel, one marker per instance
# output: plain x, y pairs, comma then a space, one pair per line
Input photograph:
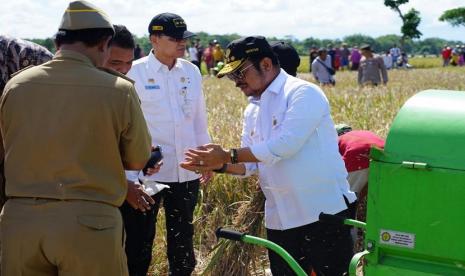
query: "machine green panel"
416, 192
426, 205
429, 127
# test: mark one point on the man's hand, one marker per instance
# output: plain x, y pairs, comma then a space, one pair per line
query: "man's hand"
205, 158
155, 169
138, 198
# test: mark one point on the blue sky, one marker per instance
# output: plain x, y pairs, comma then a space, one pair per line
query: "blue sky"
299, 18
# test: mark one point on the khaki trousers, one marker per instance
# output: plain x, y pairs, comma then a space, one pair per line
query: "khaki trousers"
52, 237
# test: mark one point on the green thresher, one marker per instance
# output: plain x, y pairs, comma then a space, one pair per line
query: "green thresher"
416, 197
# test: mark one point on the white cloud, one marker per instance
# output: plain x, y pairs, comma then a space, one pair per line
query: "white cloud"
300, 18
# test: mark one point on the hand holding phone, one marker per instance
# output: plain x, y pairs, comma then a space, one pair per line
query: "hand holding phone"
155, 157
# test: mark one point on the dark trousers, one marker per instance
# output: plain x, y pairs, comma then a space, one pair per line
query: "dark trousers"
179, 202
324, 248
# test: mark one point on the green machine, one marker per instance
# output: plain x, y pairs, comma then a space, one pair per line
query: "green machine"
416, 197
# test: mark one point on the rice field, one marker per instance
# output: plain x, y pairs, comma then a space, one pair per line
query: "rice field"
235, 203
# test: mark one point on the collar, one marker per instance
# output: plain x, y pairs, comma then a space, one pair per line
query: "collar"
253, 100
277, 84
157, 65
73, 55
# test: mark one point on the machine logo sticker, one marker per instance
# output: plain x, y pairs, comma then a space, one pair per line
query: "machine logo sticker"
385, 236
395, 238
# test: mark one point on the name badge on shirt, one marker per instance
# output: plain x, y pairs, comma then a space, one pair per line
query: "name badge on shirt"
187, 106
152, 87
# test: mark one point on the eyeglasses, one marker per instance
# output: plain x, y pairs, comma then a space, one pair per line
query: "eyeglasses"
239, 74
175, 40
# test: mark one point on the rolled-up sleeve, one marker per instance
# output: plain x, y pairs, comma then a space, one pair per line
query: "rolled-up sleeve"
306, 108
246, 139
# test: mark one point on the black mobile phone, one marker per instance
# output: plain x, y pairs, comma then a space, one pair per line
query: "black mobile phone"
155, 157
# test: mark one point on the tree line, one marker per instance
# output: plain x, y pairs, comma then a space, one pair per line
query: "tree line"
428, 46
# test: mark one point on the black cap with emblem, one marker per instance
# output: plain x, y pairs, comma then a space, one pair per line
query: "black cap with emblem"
240, 49
169, 24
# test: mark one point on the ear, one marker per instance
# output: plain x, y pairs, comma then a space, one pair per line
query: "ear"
153, 39
266, 64
103, 46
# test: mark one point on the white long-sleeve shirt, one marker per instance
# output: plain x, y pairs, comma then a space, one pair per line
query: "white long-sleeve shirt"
248, 126
301, 171
174, 107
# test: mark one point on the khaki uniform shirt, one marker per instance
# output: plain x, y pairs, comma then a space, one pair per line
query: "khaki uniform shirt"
371, 70
67, 129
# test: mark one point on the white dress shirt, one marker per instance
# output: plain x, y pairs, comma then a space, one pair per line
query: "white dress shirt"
174, 107
301, 171
193, 52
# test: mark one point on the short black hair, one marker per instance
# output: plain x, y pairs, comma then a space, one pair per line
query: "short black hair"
90, 37
123, 37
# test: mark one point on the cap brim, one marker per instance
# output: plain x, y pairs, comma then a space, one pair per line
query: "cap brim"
230, 68
188, 34
182, 35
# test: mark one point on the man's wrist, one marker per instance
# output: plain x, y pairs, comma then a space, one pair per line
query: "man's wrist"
222, 169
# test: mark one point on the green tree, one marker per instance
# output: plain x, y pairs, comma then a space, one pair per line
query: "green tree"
144, 43
455, 17
311, 42
386, 42
47, 43
410, 20
430, 46
359, 39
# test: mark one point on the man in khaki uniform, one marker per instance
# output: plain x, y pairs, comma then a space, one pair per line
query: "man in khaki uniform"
69, 130
371, 68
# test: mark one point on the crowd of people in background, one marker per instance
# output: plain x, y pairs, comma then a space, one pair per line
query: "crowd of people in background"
345, 58
324, 62
372, 68
453, 56
336, 58
212, 55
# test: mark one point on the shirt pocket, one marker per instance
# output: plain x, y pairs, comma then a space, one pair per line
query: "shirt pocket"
277, 119
151, 93
156, 107
187, 99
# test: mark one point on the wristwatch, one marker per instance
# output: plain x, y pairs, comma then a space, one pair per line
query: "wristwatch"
233, 153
